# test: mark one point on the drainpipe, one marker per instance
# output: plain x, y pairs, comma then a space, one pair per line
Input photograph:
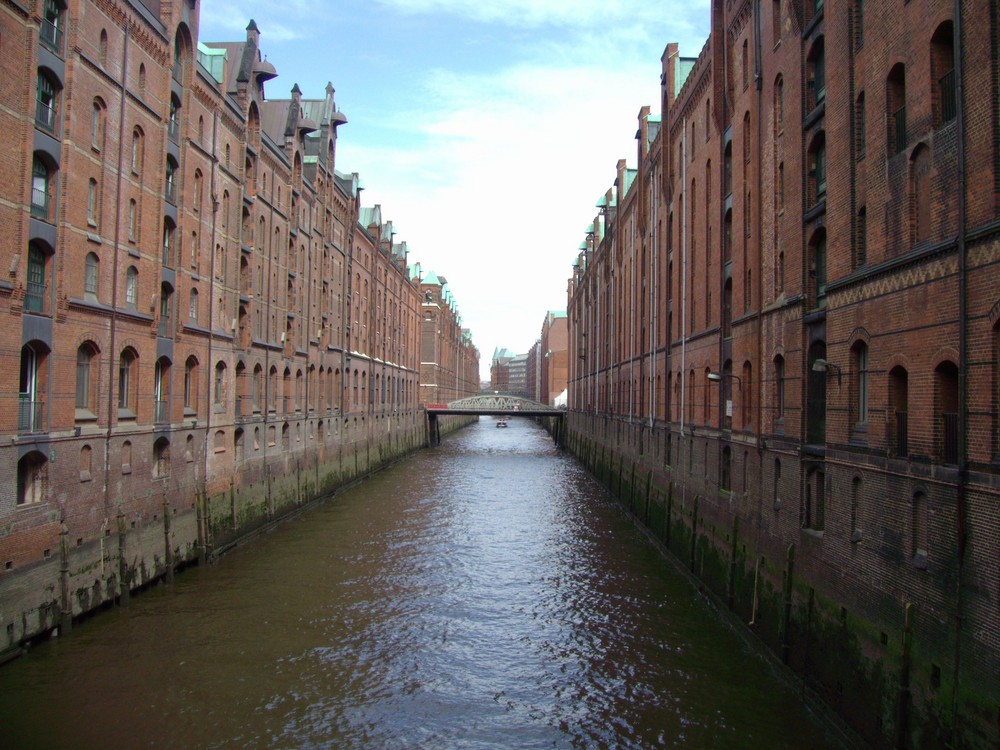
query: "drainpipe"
684, 263
963, 392
114, 316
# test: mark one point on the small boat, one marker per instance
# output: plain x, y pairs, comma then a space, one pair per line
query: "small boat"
501, 422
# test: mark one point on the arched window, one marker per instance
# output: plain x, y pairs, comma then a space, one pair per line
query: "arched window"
168, 242
41, 188
745, 60
817, 269
219, 391
86, 382
859, 365
779, 387
35, 296
161, 390
137, 151
815, 75
197, 195
943, 94
779, 104
53, 21
193, 306
946, 412
128, 382
46, 100
817, 170
161, 457
142, 77
725, 474
102, 48
32, 471
92, 203
91, 265
97, 124
258, 375
86, 455
133, 221
191, 386
814, 500
899, 395
131, 286
173, 118
895, 106
170, 181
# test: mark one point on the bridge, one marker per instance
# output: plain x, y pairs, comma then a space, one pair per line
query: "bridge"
491, 404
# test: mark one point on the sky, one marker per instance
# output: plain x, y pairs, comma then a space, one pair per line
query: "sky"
486, 130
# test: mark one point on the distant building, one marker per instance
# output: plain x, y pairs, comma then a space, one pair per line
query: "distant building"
449, 361
553, 358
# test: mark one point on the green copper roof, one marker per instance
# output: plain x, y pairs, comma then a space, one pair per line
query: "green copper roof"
431, 278
213, 60
630, 175
682, 70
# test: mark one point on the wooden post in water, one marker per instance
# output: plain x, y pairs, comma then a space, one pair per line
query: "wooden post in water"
904, 697
786, 614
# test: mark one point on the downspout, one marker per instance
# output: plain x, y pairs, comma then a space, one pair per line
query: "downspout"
759, 84
963, 392
684, 262
114, 319
210, 371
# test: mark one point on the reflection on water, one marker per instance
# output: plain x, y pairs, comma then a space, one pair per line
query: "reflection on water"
485, 594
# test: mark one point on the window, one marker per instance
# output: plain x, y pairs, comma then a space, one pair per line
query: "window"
97, 125
779, 386
41, 196
814, 500
943, 74
127, 383
898, 414
173, 118
31, 475
131, 286
170, 180
946, 412
860, 365
53, 20
193, 306
142, 77
196, 206
166, 295
860, 131
92, 202
168, 242
85, 382
219, 393
817, 269
725, 475
133, 221
919, 527
815, 75
161, 457
102, 48
745, 60
34, 298
194, 250
161, 390
896, 109
817, 170
191, 386
91, 265
137, 148
856, 487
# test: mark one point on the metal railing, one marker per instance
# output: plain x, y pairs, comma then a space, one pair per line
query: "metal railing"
899, 130
900, 441
45, 114
40, 203
30, 414
949, 438
51, 35
160, 411
34, 296
947, 90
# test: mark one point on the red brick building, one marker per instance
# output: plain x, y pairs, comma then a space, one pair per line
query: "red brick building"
787, 313
205, 328
449, 361
553, 354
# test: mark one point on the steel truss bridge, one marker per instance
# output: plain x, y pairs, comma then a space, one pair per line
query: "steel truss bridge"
490, 404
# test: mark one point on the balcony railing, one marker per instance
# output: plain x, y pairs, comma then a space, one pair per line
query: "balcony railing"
51, 35
160, 411
947, 89
899, 130
949, 438
163, 330
172, 129
40, 203
45, 114
34, 296
900, 438
30, 414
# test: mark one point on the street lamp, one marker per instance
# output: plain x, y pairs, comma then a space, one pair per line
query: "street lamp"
716, 377
822, 365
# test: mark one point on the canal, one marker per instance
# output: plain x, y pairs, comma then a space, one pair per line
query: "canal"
484, 594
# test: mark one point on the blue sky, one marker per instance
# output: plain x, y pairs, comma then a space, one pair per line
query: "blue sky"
486, 129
